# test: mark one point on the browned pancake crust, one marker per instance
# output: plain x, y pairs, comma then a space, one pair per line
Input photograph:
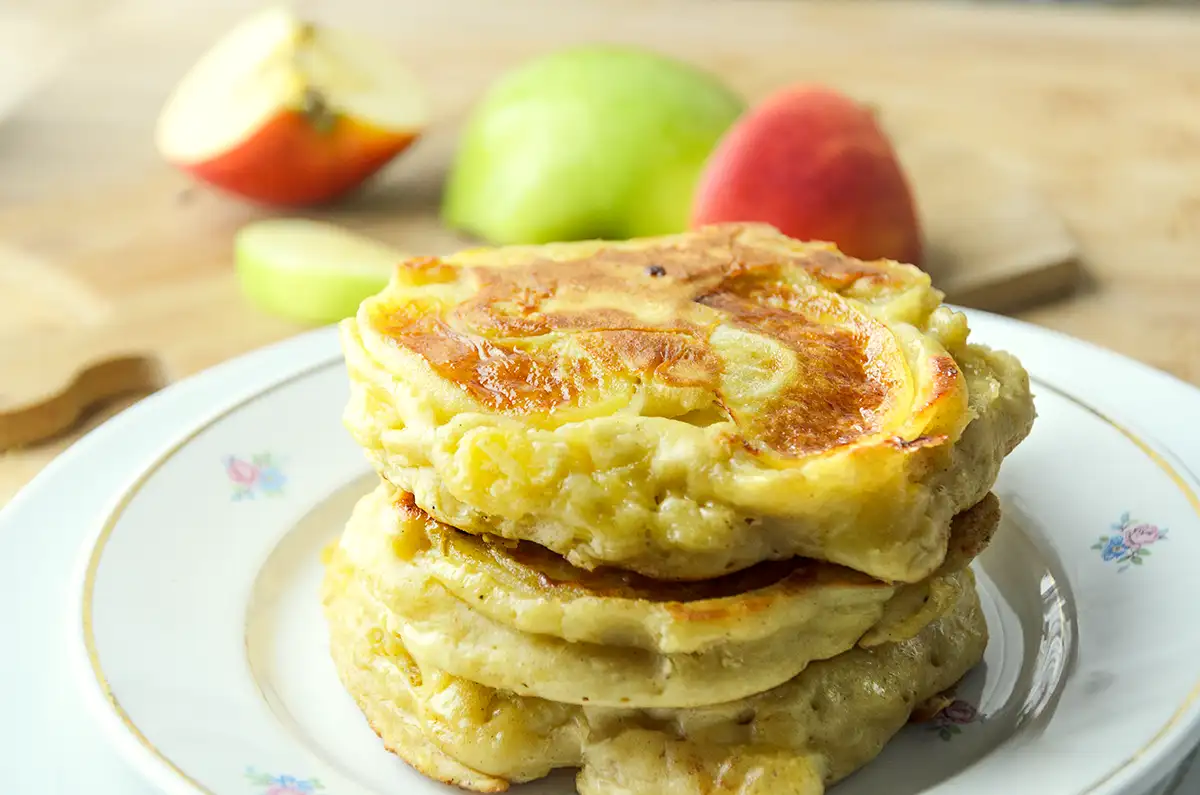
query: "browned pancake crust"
727, 274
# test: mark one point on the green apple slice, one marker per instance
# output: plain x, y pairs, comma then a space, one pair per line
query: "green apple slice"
310, 271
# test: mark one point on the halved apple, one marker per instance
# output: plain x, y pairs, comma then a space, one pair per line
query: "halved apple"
286, 112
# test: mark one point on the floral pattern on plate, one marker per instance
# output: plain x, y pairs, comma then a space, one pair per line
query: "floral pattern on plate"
1127, 546
950, 720
284, 784
261, 474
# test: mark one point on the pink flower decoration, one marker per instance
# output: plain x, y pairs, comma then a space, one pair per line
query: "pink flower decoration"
1141, 535
240, 471
959, 712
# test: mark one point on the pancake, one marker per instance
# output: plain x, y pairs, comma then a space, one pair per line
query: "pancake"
794, 739
684, 406
524, 586
476, 610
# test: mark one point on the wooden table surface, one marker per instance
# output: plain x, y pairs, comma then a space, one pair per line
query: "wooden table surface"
1100, 107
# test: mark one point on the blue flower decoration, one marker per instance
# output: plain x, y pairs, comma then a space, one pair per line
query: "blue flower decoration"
283, 784
1114, 548
271, 480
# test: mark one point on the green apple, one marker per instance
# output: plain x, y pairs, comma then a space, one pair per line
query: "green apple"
590, 142
310, 271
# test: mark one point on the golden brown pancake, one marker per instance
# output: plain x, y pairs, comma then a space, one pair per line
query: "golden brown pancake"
684, 406
469, 607
532, 589
791, 740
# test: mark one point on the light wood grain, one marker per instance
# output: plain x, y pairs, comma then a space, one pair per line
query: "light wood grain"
993, 241
1099, 108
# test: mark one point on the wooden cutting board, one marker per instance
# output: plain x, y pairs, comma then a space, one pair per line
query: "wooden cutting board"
993, 242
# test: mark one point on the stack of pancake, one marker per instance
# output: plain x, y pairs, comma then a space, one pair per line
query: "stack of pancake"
691, 514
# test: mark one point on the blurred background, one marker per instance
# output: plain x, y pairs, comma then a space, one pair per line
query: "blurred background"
1043, 157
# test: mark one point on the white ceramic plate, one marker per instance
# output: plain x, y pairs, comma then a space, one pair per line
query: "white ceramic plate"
199, 643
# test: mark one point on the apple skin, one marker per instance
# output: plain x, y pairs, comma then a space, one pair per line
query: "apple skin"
816, 165
589, 142
294, 161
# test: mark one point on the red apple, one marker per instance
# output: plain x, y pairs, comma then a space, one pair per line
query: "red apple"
816, 165
286, 112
